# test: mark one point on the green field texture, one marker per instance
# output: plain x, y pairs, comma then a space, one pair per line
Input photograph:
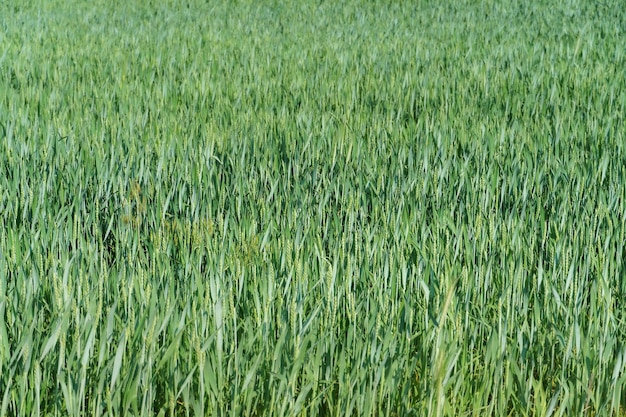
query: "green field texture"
312, 208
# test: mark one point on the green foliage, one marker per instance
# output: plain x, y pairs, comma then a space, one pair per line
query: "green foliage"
312, 208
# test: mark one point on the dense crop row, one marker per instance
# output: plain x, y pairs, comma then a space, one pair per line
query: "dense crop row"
312, 208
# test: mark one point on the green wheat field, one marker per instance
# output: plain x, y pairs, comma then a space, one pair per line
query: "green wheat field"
312, 208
